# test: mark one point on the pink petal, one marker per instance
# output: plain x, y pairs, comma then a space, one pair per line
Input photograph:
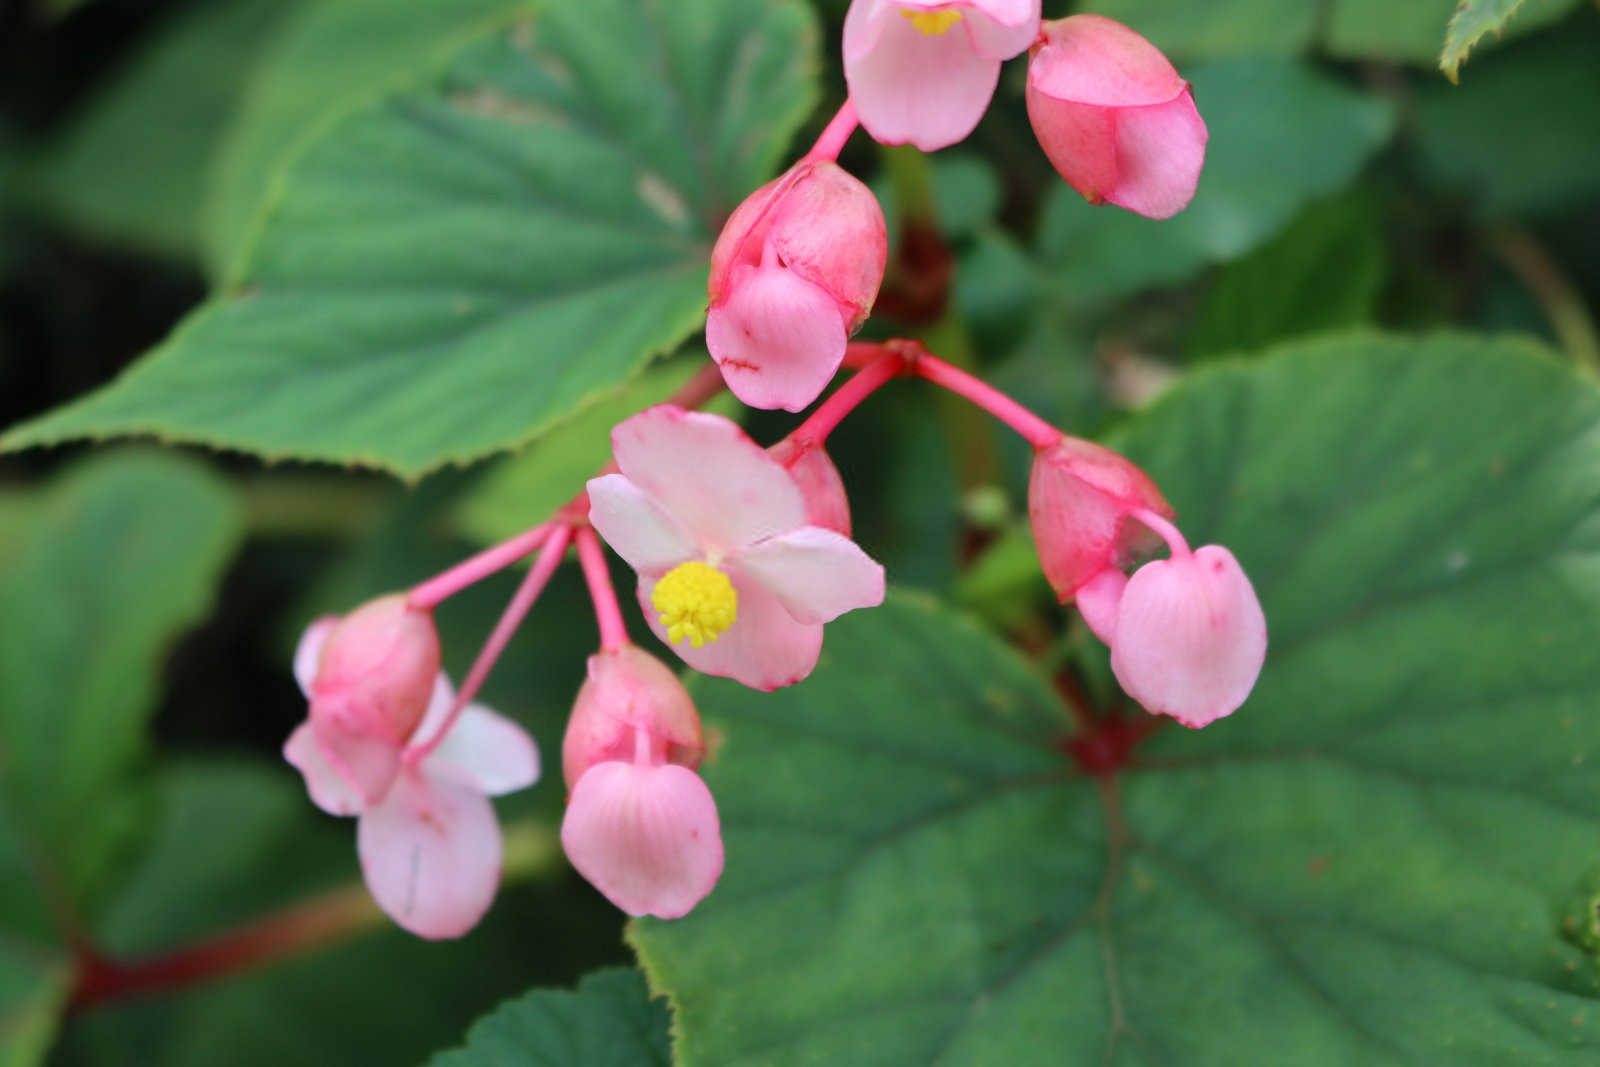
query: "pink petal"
765, 648
1000, 29
864, 24
827, 504
929, 91
486, 752
1190, 637
1098, 602
646, 837
443, 696
628, 689
1080, 141
744, 233
367, 764
1079, 497
828, 229
309, 651
329, 790
1090, 59
777, 337
1160, 150
721, 487
635, 526
817, 574
430, 854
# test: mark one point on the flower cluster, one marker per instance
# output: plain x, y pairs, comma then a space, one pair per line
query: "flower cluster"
742, 553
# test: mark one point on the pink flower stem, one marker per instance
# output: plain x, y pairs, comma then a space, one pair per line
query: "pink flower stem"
845, 399
607, 614
521, 602
470, 571
1169, 533
834, 136
1034, 430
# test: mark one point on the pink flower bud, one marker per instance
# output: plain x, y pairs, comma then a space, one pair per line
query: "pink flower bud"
640, 825
1114, 117
827, 504
377, 669
922, 71
1080, 496
629, 689
793, 275
1190, 637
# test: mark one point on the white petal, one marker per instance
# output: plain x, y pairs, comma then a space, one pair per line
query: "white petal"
635, 526
328, 788
817, 574
485, 751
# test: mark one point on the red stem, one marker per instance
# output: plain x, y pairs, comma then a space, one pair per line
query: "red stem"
475, 569
607, 613
521, 603
1035, 431
846, 398
835, 134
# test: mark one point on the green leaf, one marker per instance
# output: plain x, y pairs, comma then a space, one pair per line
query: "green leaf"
133, 165
528, 488
121, 555
609, 1021
1367, 863
1514, 137
455, 268
1218, 28
1322, 272
33, 993
329, 57
1472, 20
1281, 134
1410, 31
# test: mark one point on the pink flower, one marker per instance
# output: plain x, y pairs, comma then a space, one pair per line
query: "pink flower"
640, 825
922, 71
732, 573
827, 505
1187, 634
427, 835
1114, 117
1080, 496
793, 275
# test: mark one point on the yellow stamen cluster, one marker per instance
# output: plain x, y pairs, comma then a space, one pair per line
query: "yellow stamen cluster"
932, 23
696, 601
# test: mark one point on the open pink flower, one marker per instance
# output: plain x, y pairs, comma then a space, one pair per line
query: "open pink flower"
1114, 117
794, 273
640, 825
1187, 634
1080, 497
427, 835
922, 71
731, 573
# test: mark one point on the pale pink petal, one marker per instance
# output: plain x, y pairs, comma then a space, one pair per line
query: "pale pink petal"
765, 648
367, 764
1160, 150
646, 837
1090, 59
430, 854
864, 24
444, 695
720, 486
485, 751
628, 689
635, 527
1098, 600
745, 232
1190, 637
926, 90
309, 651
329, 790
1001, 29
817, 574
777, 337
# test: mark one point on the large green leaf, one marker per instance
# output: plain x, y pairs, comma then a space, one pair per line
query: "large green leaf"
457, 267
1514, 136
132, 167
1367, 863
1281, 134
123, 554
329, 56
609, 1021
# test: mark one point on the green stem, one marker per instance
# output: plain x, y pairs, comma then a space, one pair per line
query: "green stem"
1560, 300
